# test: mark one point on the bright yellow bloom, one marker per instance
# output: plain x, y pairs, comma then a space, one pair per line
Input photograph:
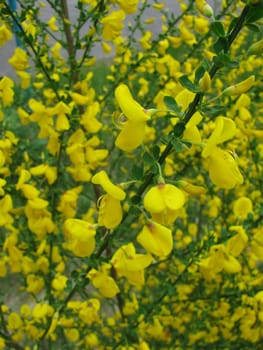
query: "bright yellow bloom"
103, 282
223, 169
110, 210
205, 82
133, 131
242, 207
129, 6
19, 60
156, 239
237, 243
131, 265
52, 24
224, 130
112, 25
191, 132
80, 237
5, 35
163, 201
6, 91
240, 88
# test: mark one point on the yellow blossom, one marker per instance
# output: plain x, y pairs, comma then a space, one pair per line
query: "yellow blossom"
6, 91
240, 88
131, 265
242, 207
163, 202
223, 169
103, 282
19, 60
110, 210
112, 25
5, 34
156, 239
135, 117
80, 237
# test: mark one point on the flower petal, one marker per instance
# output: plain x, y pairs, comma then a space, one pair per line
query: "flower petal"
101, 178
132, 109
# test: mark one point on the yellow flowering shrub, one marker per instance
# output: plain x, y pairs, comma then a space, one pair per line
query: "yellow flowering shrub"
131, 162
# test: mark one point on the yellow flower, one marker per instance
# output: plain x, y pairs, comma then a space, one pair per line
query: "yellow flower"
237, 243
6, 91
163, 201
133, 131
103, 282
112, 25
5, 35
240, 88
225, 129
191, 132
80, 235
110, 210
19, 60
242, 207
156, 239
223, 169
131, 265
129, 6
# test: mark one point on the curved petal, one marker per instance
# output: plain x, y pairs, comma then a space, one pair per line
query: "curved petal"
174, 198
132, 109
101, 178
225, 129
154, 201
131, 136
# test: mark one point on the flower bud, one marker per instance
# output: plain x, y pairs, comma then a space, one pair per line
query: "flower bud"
240, 88
205, 82
207, 11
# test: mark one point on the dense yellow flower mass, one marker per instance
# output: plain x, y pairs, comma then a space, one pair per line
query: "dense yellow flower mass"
131, 211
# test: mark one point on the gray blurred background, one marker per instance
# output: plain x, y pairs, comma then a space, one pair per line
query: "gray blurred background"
47, 12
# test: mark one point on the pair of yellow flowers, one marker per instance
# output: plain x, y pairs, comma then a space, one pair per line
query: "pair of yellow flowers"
223, 169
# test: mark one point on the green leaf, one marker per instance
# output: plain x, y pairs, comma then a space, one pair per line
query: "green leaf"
148, 159
253, 27
177, 145
255, 13
178, 130
221, 45
218, 28
172, 105
185, 82
155, 149
232, 24
137, 172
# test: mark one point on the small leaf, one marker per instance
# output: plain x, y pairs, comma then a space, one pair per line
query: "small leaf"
178, 130
137, 172
177, 145
155, 151
221, 45
185, 82
232, 24
218, 28
148, 159
172, 105
255, 13
253, 27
